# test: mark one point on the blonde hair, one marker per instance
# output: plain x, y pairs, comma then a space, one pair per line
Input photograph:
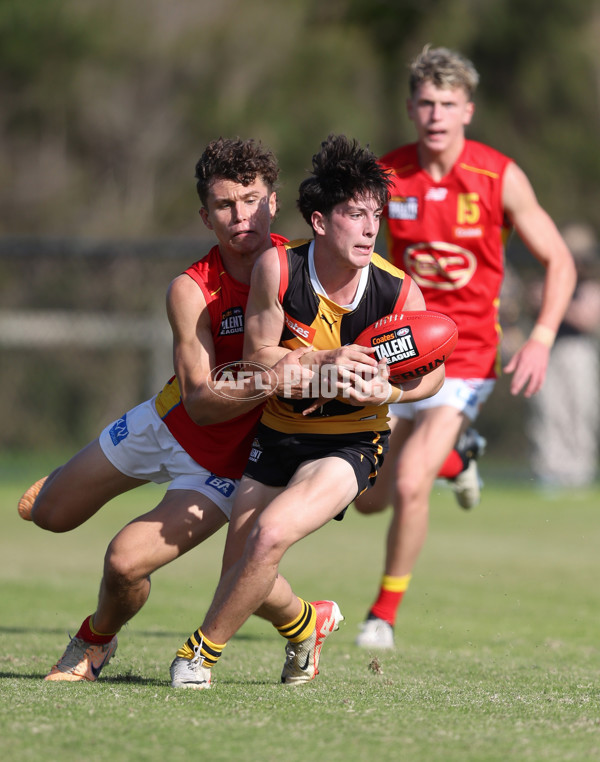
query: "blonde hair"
445, 69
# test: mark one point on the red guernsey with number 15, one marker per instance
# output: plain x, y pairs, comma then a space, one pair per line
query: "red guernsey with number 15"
450, 236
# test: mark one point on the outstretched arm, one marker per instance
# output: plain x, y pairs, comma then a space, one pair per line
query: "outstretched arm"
539, 233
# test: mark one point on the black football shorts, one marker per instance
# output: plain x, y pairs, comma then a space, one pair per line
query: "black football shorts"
275, 457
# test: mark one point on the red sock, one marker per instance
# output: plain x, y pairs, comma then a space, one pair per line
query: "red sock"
452, 466
87, 633
390, 597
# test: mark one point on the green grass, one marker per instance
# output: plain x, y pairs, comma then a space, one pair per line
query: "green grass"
497, 644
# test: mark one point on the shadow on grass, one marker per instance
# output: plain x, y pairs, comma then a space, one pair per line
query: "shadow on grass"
130, 679
125, 631
126, 679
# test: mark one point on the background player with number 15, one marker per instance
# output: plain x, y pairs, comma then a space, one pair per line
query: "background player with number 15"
453, 203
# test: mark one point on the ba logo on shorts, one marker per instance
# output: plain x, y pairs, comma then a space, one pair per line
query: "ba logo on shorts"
119, 431
224, 486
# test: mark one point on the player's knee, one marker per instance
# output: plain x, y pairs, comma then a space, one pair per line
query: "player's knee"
267, 543
411, 488
121, 567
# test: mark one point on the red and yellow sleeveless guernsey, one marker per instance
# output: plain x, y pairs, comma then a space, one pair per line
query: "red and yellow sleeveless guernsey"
311, 319
222, 448
450, 237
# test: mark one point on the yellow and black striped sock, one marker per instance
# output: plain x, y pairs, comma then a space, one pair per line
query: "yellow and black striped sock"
302, 626
208, 650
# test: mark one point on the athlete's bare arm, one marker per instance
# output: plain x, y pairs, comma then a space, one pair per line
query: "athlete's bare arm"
264, 314
194, 357
541, 236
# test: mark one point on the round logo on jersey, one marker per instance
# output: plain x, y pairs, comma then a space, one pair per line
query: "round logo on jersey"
439, 265
229, 379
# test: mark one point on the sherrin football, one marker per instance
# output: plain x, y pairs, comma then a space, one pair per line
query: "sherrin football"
414, 343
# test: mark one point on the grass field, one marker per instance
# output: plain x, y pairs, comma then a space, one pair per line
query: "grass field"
497, 644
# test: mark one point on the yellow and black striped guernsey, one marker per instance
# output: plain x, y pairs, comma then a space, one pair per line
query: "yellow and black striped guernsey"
311, 319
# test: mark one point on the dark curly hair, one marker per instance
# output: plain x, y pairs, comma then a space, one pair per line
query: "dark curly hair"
342, 170
241, 161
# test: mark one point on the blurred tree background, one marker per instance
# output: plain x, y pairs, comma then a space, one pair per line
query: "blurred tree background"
107, 105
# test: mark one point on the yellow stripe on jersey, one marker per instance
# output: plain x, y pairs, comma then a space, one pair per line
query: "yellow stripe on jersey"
479, 171
168, 398
386, 265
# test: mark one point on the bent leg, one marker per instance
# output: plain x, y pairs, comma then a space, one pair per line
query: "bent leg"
423, 452
76, 491
281, 605
318, 491
181, 521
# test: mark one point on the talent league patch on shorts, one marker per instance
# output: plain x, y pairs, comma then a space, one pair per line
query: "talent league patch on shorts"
224, 486
256, 451
119, 431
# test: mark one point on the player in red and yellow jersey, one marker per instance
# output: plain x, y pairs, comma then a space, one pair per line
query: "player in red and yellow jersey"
450, 235
452, 204
309, 461
187, 435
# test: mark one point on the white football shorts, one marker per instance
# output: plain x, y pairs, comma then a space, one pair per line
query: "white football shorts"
465, 394
140, 445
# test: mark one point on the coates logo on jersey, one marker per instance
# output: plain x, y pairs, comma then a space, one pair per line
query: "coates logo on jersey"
440, 265
254, 379
302, 331
232, 322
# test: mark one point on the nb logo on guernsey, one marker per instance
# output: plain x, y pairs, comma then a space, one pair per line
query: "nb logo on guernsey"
119, 431
224, 486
